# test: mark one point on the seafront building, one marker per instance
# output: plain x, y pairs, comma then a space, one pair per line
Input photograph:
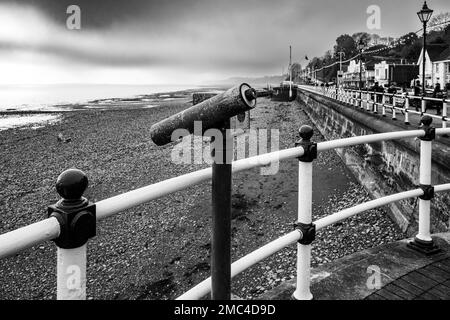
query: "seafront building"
437, 65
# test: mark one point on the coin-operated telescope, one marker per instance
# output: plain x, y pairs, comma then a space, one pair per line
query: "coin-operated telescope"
214, 113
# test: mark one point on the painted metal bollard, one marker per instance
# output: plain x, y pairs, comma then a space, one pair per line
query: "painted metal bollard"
423, 107
423, 241
444, 113
304, 223
77, 219
406, 109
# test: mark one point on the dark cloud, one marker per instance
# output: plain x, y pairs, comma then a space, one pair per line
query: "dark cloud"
217, 36
91, 57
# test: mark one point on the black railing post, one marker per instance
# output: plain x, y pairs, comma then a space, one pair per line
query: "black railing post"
221, 216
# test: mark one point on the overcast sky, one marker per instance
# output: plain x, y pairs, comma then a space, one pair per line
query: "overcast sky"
180, 41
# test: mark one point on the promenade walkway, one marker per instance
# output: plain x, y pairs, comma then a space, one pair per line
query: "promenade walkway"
405, 274
428, 283
414, 118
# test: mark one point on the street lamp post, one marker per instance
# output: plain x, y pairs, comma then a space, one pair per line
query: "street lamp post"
338, 82
360, 48
290, 72
424, 16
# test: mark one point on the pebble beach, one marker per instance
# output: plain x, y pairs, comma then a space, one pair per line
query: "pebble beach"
159, 250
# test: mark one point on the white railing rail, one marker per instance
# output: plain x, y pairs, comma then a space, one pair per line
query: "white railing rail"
204, 287
28, 236
371, 101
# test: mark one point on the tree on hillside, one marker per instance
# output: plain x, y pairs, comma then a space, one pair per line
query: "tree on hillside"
412, 52
327, 58
362, 35
315, 63
408, 39
439, 20
446, 34
346, 44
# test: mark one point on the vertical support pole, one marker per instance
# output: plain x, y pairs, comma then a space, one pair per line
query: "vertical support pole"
304, 223
77, 219
425, 179
406, 109
361, 100
375, 107
383, 109
394, 114
394, 103
221, 218
423, 241
444, 113
424, 106
367, 99
71, 274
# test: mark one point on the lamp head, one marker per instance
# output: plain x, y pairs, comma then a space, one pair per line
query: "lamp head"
425, 13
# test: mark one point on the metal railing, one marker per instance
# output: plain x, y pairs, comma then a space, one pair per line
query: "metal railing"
372, 102
72, 221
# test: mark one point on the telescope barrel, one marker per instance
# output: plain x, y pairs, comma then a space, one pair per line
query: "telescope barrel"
212, 113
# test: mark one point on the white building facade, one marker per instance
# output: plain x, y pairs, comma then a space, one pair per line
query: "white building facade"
437, 66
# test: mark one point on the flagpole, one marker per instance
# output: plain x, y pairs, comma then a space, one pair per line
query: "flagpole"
290, 72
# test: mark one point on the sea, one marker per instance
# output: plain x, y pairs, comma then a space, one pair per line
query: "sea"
42, 97
17, 98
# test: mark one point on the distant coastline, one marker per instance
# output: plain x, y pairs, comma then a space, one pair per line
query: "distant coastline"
48, 97
38, 116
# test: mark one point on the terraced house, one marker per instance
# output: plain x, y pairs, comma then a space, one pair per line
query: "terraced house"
441, 68
437, 69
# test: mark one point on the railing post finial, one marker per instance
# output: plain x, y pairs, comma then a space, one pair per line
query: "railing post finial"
75, 214
430, 132
310, 148
77, 220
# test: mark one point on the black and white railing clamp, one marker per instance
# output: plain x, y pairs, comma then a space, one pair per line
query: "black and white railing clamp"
428, 192
75, 214
308, 232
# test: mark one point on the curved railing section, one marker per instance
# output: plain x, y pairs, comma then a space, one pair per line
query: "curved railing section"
380, 101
